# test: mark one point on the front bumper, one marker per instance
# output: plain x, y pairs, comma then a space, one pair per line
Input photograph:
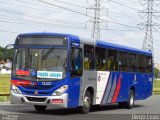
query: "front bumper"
39, 100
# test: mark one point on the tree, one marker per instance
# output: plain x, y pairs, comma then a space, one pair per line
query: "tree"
6, 54
9, 54
156, 73
1, 56
1, 53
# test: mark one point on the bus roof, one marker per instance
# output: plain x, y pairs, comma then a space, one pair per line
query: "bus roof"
46, 33
122, 47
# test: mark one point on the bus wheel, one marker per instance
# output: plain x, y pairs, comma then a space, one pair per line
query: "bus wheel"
87, 102
130, 102
40, 108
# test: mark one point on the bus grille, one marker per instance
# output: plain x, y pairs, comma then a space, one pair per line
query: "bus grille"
47, 87
34, 99
39, 93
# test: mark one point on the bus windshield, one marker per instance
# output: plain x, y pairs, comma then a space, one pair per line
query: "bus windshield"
40, 64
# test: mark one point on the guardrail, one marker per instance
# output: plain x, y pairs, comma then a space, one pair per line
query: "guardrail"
7, 95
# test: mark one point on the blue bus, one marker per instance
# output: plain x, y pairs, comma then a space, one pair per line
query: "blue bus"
66, 71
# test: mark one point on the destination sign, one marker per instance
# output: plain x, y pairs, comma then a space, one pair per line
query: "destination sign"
49, 74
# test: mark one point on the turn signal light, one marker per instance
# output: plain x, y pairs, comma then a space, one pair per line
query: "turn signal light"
57, 101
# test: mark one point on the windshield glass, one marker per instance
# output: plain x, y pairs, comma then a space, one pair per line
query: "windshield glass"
40, 64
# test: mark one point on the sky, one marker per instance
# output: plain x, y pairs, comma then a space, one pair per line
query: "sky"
120, 25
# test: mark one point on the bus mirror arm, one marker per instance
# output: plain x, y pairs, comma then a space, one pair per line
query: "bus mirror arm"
5, 50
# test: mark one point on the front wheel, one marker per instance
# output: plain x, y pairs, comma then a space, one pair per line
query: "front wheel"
40, 108
87, 102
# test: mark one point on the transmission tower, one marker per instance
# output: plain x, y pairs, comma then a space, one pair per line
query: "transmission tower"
149, 25
96, 20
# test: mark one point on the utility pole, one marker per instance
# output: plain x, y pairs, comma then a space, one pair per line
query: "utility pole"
96, 20
149, 25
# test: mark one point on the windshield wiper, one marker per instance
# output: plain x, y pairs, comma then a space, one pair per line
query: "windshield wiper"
44, 57
28, 58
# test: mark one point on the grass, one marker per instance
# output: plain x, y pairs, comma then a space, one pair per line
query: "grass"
156, 88
4, 86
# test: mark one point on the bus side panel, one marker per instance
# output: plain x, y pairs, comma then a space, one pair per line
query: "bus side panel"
116, 88
74, 92
142, 83
143, 86
148, 86
133, 83
110, 87
114, 85
139, 81
123, 93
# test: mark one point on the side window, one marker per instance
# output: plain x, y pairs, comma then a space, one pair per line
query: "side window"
112, 60
148, 64
76, 62
88, 57
132, 62
100, 59
123, 61
141, 63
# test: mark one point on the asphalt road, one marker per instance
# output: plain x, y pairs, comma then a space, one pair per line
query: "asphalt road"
24, 112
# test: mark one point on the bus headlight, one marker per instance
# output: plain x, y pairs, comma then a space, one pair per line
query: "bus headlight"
15, 89
60, 90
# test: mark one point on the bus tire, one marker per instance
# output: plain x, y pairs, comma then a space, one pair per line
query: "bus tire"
130, 102
40, 108
87, 102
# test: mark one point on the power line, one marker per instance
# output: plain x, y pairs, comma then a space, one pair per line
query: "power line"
124, 5
131, 40
26, 6
40, 24
83, 13
63, 8
111, 29
32, 3
36, 23
123, 24
69, 4
134, 41
38, 17
119, 12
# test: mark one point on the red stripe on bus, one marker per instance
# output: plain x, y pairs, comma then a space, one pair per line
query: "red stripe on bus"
21, 82
117, 89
